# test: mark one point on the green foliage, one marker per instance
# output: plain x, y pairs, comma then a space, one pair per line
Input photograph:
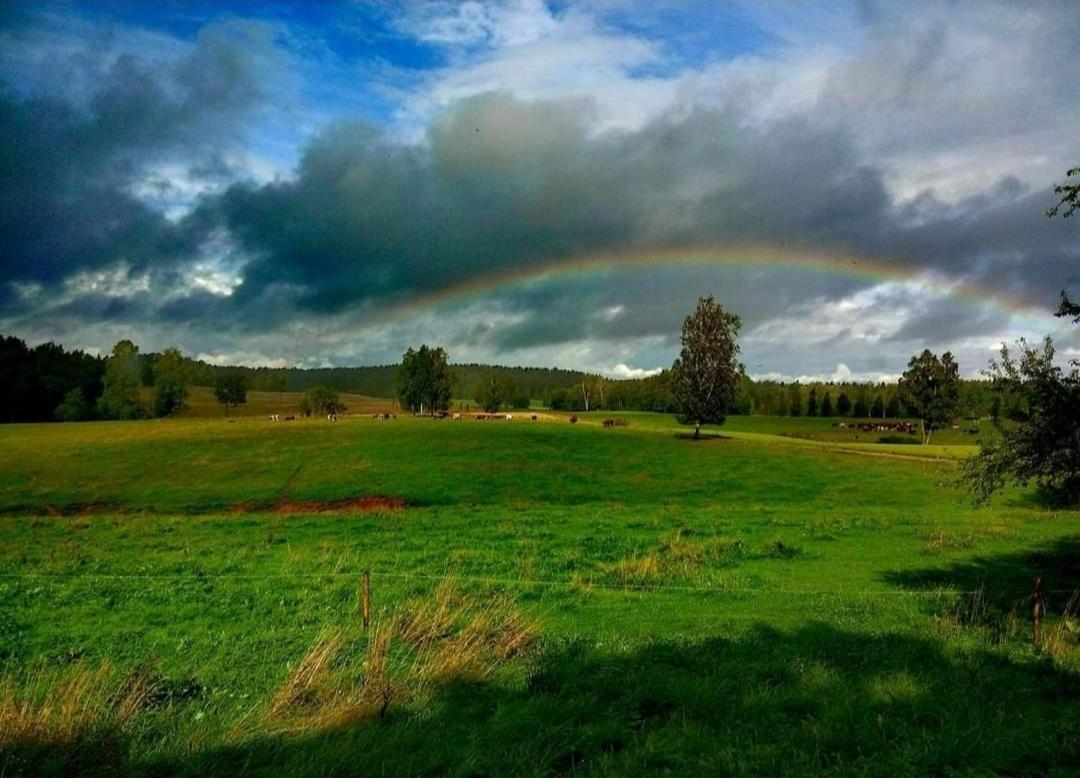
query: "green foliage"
425, 382
795, 400
493, 392
1044, 446
520, 402
860, 410
930, 388
123, 377
878, 408
323, 400
826, 405
843, 405
812, 403
705, 376
1070, 196
171, 380
231, 389
35, 381
74, 407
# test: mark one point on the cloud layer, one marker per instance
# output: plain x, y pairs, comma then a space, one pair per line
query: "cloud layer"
146, 193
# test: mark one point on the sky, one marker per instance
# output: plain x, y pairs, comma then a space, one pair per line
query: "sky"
530, 183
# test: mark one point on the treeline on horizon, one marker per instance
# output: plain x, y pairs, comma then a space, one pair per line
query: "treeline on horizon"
39, 384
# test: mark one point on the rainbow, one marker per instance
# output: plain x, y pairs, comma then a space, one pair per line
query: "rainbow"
749, 257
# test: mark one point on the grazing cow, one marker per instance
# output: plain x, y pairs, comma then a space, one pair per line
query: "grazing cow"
290, 417
534, 417
509, 417
274, 417
573, 419
456, 417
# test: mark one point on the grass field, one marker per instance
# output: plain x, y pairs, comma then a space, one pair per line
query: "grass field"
181, 597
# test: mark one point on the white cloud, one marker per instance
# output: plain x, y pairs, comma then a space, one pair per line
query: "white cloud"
625, 371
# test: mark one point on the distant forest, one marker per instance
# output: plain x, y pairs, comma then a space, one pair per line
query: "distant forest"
35, 382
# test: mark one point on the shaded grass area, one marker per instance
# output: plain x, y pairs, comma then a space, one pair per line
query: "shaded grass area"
747, 606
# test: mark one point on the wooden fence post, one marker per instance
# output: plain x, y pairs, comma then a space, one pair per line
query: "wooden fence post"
1036, 611
365, 597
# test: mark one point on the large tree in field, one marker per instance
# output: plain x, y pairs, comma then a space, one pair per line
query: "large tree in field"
493, 392
1044, 447
425, 382
705, 377
171, 378
230, 389
324, 400
123, 376
931, 390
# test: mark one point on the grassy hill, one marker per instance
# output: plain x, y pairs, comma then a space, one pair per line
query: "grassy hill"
548, 598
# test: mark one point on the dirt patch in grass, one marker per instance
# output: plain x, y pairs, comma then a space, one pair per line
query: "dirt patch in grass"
368, 504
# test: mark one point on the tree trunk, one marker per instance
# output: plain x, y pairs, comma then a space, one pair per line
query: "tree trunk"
697, 430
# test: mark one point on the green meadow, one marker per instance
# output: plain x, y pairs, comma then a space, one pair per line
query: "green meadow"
183, 597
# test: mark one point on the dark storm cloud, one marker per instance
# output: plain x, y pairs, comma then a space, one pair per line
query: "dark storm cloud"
69, 169
503, 183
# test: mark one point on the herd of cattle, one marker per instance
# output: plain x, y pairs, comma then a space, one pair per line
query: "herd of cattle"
880, 426
387, 416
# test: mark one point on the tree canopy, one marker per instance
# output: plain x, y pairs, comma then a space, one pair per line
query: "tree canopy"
230, 389
123, 377
425, 382
930, 387
171, 379
494, 391
1044, 446
705, 377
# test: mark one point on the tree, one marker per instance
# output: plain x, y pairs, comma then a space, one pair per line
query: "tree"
705, 377
878, 409
1045, 446
1070, 196
520, 402
826, 405
277, 383
811, 402
230, 389
843, 405
123, 376
1070, 202
557, 400
493, 392
74, 407
893, 409
171, 379
795, 399
323, 400
930, 387
425, 380
860, 410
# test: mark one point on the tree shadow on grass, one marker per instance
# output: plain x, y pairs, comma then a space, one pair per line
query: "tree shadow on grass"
815, 700
1005, 580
